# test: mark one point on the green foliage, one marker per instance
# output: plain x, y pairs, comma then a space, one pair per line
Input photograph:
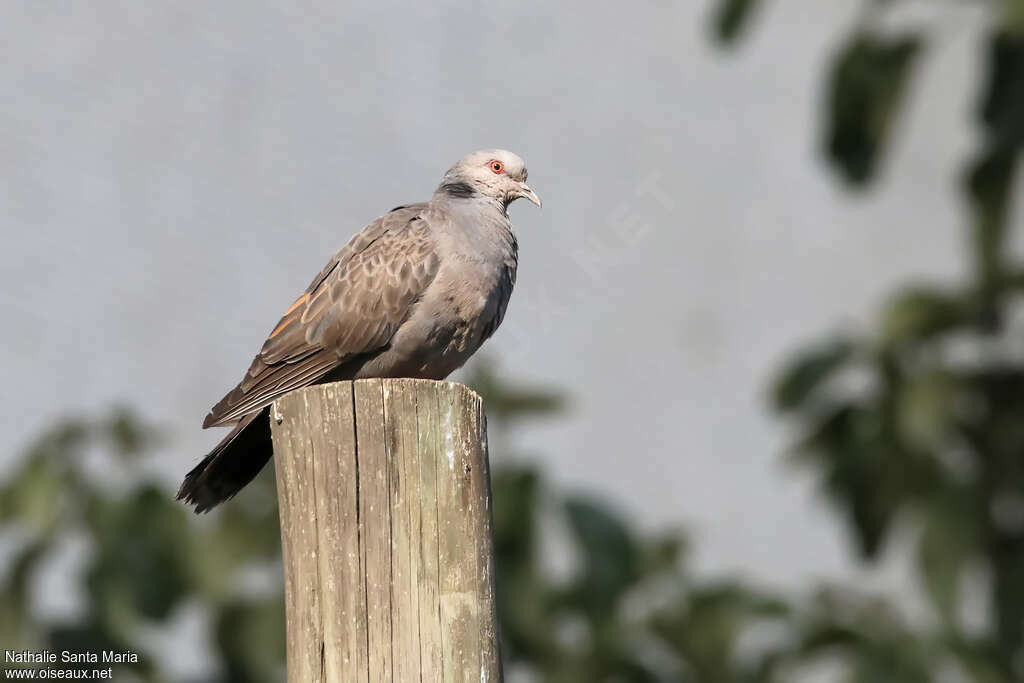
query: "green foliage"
1002, 102
866, 87
869, 638
990, 176
917, 314
920, 421
798, 382
608, 556
948, 542
932, 437
148, 556
730, 18
627, 611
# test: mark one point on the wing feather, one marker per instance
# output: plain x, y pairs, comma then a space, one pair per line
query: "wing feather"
353, 306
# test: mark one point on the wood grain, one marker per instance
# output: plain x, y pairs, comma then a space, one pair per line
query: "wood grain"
386, 529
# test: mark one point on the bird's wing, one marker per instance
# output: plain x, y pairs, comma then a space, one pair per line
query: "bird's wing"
353, 306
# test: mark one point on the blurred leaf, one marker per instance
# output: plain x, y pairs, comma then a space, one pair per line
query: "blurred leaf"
990, 178
523, 592
516, 493
63, 439
507, 402
827, 636
862, 469
139, 552
1007, 565
943, 549
865, 90
664, 553
242, 624
977, 659
15, 630
705, 626
1013, 17
23, 569
918, 313
804, 374
730, 17
127, 433
1002, 104
243, 534
609, 555
34, 495
989, 184
926, 403
870, 638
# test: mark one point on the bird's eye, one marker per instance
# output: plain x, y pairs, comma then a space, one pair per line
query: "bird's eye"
497, 167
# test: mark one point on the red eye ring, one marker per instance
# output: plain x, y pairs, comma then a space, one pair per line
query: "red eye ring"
497, 166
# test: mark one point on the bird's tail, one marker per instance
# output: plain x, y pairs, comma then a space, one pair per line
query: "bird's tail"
230, 465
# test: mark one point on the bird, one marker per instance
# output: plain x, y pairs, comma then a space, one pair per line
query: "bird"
413, 294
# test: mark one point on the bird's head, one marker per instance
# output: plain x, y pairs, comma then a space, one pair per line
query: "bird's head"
492, 173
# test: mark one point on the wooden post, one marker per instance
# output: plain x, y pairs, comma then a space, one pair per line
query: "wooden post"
385, 504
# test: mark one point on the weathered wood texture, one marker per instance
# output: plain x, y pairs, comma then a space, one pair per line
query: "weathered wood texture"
385, 503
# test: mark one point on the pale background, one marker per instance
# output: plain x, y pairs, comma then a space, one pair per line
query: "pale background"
173, 176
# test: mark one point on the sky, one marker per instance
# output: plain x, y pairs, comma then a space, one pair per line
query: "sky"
174, 174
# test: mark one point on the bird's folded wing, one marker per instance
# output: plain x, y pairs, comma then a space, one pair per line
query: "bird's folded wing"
353, 306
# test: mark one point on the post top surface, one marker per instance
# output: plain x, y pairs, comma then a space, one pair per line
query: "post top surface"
392, 384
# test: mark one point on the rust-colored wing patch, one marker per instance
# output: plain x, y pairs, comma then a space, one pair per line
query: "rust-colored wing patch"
288, 318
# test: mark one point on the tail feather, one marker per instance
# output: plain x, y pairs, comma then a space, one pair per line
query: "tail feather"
230, 465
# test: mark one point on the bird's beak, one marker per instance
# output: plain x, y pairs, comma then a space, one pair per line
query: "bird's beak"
526, 193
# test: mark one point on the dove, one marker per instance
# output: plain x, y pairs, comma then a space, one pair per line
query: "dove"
414, 294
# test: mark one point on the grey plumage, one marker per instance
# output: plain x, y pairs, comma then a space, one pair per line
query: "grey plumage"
414, 294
